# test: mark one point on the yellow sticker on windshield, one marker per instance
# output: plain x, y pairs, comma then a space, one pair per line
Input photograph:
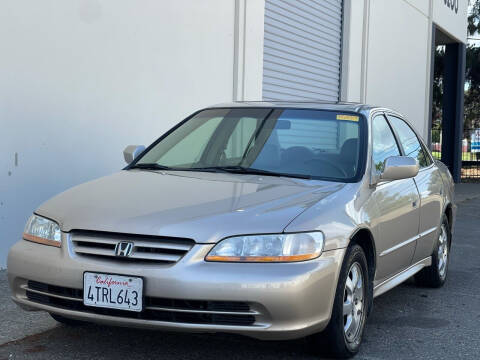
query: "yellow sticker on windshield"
348, 117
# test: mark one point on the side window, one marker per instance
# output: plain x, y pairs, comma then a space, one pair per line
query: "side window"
383, 143
411, 144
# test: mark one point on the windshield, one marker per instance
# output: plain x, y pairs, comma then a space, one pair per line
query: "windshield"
304, 143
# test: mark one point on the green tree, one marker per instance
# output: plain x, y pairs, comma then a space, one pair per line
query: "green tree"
472, 75
474, 17
472, 78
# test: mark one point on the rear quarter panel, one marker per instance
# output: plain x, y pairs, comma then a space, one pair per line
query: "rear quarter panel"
449, 189
432, 205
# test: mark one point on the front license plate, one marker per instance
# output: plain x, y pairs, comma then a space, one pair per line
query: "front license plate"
113, 291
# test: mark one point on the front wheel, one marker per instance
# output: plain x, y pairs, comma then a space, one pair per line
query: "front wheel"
343, 335
435, 275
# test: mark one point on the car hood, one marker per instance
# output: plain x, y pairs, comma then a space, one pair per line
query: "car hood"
205, 207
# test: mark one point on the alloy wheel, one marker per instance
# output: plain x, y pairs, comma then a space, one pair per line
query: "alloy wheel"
354, 304
442, 252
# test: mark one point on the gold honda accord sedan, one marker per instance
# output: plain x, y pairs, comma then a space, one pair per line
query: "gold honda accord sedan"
272, 220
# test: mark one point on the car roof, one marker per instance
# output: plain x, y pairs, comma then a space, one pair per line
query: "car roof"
319, 105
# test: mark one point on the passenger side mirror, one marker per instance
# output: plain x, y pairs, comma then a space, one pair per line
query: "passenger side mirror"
399, 167
131, 152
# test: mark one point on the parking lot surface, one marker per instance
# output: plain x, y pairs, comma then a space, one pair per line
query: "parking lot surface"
407, 323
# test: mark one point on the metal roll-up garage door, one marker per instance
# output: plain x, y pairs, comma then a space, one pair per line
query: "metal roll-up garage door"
302, 50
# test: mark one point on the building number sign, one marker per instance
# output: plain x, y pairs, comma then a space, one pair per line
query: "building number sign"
452, 4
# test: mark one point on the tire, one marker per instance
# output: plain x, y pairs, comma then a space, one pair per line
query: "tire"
435, 275
67, 321
338, 340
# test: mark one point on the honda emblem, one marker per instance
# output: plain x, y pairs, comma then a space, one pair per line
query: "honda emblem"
124, 249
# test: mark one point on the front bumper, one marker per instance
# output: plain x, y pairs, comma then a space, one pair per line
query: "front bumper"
286, 300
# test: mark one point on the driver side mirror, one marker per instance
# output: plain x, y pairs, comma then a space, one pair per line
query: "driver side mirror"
399, 167
131, 152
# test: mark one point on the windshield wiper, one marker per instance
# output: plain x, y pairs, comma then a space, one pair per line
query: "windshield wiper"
229, 169
155, 166
250, 171
151, 166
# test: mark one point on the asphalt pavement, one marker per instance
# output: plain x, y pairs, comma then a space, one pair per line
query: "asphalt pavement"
408, 322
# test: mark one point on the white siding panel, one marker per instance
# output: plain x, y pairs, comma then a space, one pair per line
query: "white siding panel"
288, 67
298, 17
302, 49
300, 83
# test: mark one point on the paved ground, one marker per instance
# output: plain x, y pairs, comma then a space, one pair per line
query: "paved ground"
407, 322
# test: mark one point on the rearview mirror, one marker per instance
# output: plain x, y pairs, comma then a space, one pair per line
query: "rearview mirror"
131, 152
399, 167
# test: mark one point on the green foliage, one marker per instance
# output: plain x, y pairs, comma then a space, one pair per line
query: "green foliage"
472, 78
474, 17
438, 89
472, 75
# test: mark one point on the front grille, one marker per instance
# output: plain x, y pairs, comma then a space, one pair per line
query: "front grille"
145, 248
227, 313
55, 290
226, 306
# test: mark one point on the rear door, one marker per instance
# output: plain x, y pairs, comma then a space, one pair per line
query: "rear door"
429, 183
397, 207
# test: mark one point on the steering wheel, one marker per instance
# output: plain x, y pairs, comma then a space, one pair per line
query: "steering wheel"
335, 166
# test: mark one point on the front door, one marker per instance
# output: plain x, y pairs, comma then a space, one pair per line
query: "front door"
398, 207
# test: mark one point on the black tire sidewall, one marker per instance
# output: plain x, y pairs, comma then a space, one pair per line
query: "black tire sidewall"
430, 276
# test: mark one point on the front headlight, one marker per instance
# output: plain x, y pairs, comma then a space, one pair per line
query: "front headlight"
43, 231
269, 248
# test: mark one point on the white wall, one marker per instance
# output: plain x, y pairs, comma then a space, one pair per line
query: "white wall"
452, 21
422, 5
387, 54
354, 36
81, 79
398, 59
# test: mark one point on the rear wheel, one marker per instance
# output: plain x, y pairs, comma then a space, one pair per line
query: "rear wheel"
435, 275
343, 335
66, 321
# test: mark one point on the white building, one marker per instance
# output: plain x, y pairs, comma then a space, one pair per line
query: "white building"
81, 79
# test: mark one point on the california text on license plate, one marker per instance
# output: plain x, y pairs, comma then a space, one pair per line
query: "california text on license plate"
113, 291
